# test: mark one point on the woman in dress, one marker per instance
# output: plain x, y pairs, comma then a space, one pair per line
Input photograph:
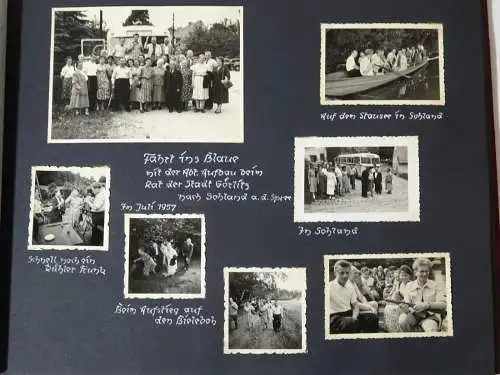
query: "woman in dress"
67, 77
392, 310
187, 84
135, 84
322, 181
248, 310
74, 207
313, 182
158, 80
345, 181
221, 77
103, 84
331, 182
200, 83
144, 95
79, 91
388, 181
57, 204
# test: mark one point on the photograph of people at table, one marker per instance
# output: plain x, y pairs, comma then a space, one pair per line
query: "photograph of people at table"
382, 64
147, 74
387, 296
69, 208
165, 256
265, 310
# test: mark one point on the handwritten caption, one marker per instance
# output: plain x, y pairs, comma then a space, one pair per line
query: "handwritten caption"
61, 265
379, 115
210, 177
168, 315
327, 231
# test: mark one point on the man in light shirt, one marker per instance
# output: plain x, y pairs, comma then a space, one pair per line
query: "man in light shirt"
98, 208
425, 301
167, 47
344, 305
90, 70
378, 62
351, 66
155, 51
391, 59
120, 50
365, 64
277, 311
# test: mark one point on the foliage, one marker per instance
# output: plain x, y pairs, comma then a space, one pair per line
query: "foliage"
339, 43
222, 39
144, 231
246, 285
138, 17
64, 180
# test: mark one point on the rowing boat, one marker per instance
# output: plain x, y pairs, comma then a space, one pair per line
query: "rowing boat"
339, 84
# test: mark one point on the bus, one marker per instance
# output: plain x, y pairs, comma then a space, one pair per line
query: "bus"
94, 47
358, 161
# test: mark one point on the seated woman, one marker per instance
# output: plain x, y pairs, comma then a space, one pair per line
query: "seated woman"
392, 310
369, 283
424, 300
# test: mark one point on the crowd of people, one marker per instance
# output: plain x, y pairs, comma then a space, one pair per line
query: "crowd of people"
84, 210
412, 299
370, 62
257, 312
329, 180
161, 258
145, 78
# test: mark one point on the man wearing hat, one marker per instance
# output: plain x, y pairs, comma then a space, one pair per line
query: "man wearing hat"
97, 208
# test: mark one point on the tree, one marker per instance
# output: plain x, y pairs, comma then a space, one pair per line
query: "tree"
138, 17
221, 38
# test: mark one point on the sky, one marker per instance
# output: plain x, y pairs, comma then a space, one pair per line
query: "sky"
296, 280
114, 16
94, 172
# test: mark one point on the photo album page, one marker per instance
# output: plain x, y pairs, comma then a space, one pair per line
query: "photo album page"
252, 187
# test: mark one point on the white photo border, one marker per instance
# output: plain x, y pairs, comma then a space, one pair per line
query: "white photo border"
413, 213
75, 169
202, 293
227, 350
349, 257
438, 26
144, 140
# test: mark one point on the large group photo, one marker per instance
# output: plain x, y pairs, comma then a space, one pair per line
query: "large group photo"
265, 310
69, 208
156, 74
365, 179
382, 64
384, 296
164, 256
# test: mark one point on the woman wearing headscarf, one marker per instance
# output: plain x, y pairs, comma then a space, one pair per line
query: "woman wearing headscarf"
221, 78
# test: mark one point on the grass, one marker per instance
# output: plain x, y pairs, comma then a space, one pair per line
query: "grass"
67, 125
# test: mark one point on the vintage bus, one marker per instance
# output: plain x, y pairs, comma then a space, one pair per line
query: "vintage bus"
359, 161
94, 47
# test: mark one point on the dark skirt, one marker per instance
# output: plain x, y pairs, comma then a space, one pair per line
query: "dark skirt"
220, 93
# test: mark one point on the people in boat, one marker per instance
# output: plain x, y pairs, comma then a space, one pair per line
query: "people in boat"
378, 62
391, 59
351, 66
402, 60
365, 63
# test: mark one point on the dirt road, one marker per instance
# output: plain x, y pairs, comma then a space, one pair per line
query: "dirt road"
257, 336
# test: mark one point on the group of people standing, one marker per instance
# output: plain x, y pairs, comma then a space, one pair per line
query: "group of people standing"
145, 78
370, 62
257, 312
327, 180
161, 258
414, 299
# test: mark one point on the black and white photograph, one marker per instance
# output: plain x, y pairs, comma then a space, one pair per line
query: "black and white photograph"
265, 310
164, 256
388, 295
386, 63
146, 74
356, 179
69, 208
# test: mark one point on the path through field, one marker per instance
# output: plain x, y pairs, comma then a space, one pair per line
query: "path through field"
259, 337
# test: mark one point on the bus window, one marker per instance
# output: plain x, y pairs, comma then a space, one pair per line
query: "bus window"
322, 157
313, 158
355, 160
365, 161
375, 160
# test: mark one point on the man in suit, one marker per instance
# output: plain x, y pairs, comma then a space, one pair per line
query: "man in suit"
174, 88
